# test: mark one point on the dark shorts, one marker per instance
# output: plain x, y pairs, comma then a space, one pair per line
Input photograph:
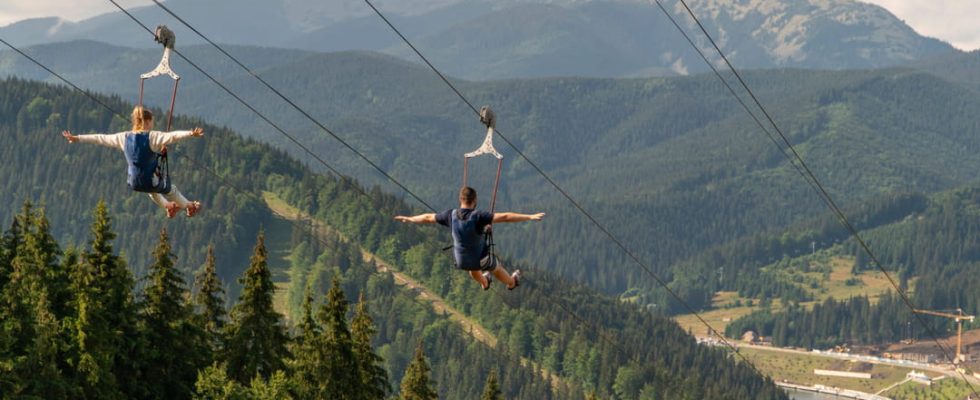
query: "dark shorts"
487, 263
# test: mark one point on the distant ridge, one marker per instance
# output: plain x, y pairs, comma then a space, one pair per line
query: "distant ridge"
480, 40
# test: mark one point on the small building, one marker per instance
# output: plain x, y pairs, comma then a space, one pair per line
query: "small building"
918, 377
842, 374
917, 357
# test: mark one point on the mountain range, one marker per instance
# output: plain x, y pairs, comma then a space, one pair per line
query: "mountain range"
480, 40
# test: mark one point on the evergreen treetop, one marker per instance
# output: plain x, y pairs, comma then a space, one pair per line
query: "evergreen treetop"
416, 384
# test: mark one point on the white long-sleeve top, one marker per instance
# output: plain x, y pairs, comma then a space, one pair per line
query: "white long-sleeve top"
118, 140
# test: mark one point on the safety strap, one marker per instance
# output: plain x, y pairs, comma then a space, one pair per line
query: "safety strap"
163, 167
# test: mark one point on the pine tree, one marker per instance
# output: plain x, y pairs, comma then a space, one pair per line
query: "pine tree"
42, 366
374, 378
415, 384
8, 249
306, 364
104, 331
167, 323
213, 384
491, 391
341, 380
33, 344
325, 365
209, 300
256, 340
310, 328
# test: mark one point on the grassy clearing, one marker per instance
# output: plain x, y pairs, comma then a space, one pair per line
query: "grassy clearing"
823, 277
939, 390
798, 368
278, 240
840, 284
725, 310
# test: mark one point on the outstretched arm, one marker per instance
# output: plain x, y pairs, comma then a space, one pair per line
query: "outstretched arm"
114, 141
418, 219
516, 217
161, 139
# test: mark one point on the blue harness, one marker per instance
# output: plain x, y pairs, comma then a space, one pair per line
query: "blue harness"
144, 172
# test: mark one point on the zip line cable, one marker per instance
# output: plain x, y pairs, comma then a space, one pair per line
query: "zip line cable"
822, 190
361, 155
599, 331
242, 101
745, 106
296, 223
557, 187
116, 113
226, 182
293, 104
551, 181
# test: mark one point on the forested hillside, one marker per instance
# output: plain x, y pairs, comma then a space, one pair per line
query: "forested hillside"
679, 152
934, 242
621, 349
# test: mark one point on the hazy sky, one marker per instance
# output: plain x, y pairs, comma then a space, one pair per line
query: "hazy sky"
954, 21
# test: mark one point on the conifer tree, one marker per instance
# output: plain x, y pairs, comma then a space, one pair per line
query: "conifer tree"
213, 384
33, 343
167, 323
310, 328
342, 370
44, 251
41, 369
8, 249
326, 367
104, 331
256, 338
209, 300
24, 285
491, 391
307, 361
415, 384
374, 378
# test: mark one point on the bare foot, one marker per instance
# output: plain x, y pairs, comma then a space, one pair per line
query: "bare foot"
172, 209
193, 208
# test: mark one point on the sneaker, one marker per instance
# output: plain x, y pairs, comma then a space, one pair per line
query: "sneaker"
516, 276
172, 209
486, 274
193, 208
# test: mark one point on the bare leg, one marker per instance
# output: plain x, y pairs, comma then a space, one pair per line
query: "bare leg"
191, 206
165, 204
501, 274
178, 198
479, 278
159, 199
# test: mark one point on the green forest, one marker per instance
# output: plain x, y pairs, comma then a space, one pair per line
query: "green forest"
932, 239
110, 292
677, 151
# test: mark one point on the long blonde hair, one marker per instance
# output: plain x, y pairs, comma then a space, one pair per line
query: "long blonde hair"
142, 118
